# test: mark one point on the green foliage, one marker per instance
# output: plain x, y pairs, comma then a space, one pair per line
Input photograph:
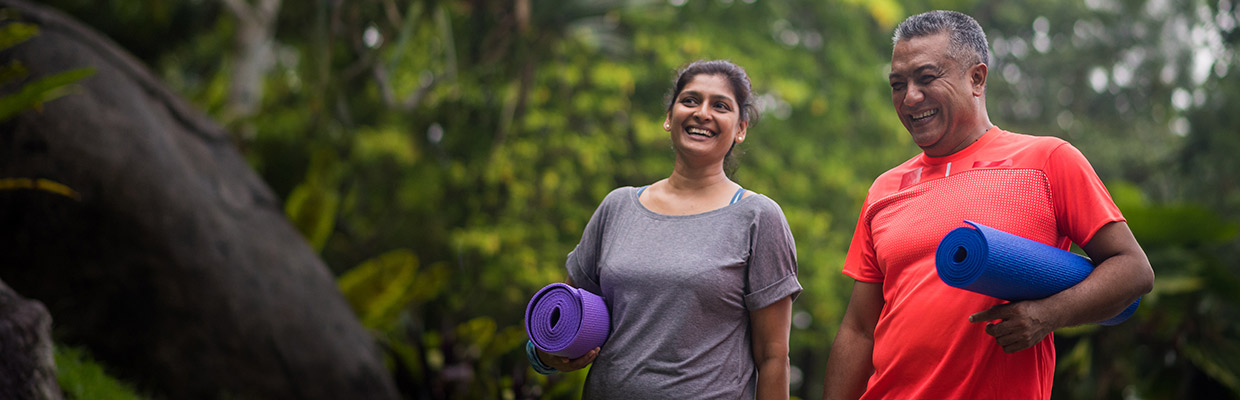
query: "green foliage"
34, 93
382, 288
1183, 326
81, 378
444, 156
313, 204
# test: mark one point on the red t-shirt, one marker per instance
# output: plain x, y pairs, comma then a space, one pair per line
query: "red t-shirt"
1040, 188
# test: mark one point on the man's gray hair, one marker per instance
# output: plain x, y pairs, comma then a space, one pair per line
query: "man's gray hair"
968, 41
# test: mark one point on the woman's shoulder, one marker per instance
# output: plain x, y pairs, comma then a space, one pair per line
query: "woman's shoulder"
619, 197
621, 193
762, 202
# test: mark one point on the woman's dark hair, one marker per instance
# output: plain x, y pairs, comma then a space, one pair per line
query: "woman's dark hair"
742, 90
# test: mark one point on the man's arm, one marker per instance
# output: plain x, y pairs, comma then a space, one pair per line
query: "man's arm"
850, 363
1121, 275
770, 348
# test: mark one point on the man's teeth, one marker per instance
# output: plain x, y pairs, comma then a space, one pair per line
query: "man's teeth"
700, 131
925, 114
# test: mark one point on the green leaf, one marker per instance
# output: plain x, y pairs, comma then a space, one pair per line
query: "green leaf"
313, 204
430, 282
14, 71
80, 377
477, 332
16, 32
1182, 225
1077, 361
379, 289
41, 91
312, 209
1220, 360
409, 356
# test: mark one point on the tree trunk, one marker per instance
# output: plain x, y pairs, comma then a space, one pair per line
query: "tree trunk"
156, 246
27, 370
255, 38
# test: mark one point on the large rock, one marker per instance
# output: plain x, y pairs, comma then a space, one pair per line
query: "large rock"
27, 368
153, 243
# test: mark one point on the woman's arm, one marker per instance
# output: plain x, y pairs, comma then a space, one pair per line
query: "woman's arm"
850, 364
770, 348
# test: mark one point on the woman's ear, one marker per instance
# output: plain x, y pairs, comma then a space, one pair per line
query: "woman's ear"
740, 134
667, 122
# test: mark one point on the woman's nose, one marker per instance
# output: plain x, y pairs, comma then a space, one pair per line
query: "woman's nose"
702, 112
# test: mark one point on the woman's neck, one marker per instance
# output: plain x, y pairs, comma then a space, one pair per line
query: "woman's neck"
687, 179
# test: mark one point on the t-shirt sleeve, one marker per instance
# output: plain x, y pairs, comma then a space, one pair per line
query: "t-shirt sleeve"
772, 259
862, 263
582, 263
1082, 203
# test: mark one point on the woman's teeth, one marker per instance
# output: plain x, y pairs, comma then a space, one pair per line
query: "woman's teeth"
700, 132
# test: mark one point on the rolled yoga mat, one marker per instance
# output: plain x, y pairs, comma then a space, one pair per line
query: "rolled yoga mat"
999, 264
566, 321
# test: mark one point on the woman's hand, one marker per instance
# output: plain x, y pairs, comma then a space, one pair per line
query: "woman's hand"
564, 364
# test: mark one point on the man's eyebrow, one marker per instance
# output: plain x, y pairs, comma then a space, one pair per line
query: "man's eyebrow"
923, 68
931, 67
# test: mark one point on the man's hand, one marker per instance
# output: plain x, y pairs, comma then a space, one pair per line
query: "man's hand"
1021, 325
564, 364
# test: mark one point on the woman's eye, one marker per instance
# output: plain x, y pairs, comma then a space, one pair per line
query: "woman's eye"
688, 101
722, 106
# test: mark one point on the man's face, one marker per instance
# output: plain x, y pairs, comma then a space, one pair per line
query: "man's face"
934, 95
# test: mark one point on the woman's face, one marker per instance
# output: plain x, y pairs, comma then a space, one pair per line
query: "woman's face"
705, 119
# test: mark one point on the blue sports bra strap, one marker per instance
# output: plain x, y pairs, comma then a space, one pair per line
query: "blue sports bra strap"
641, 189
737, 197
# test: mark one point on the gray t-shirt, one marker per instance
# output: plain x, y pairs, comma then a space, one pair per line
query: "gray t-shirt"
679, 289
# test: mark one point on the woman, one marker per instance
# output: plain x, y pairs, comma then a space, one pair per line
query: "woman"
698, 273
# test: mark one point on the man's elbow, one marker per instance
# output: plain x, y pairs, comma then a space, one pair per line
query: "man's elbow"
1147, 279
1143, 276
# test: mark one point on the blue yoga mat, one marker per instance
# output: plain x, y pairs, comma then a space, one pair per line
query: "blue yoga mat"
999, 264
567, 321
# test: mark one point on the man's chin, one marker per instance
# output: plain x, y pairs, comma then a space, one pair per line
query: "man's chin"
925, 139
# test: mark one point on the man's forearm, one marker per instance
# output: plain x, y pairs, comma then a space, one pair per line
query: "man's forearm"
1114, 284
849, 366
1123, 274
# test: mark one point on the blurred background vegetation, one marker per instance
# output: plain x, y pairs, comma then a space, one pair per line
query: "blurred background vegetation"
443, 156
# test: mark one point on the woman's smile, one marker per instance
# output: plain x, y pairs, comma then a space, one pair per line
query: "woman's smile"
697, 131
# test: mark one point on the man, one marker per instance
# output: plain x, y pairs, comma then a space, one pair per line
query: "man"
906, 334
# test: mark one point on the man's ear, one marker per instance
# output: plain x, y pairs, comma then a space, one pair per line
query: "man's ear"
977, 79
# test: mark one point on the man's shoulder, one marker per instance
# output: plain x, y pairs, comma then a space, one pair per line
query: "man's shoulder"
1014, 141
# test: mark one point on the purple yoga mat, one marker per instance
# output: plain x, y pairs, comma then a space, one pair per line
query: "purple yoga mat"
566, 321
